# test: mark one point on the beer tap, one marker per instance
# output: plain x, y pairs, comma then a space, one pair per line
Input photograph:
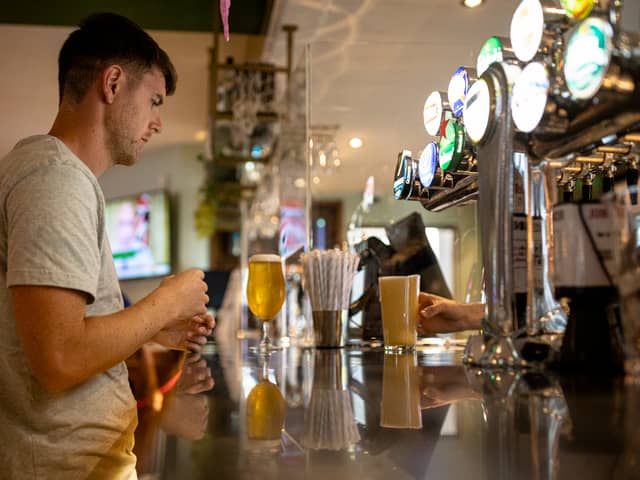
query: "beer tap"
435, 111
539, 105
532, 110
590, 169
455, 154
488, 100
459, 85
609, 169
568, 189
494, 50
429, 175
632, 140
406, 185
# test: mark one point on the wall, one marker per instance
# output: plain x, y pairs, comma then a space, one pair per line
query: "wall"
175, 169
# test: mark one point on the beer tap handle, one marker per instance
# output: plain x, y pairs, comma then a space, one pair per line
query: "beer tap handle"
587, 187
633, 142
609, 172
632, 178
568, 189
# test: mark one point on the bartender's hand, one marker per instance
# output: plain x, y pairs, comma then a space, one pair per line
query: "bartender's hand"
441, 315
188, 334
442, 385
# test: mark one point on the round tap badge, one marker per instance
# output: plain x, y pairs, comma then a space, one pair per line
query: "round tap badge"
457, 92
491, 52
451, 146
477, 111
587, 57
428, 164
577, 9
403, 178
529, 97
432, 113
527, 27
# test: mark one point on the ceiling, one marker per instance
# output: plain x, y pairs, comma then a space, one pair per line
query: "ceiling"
373, 62
249, 17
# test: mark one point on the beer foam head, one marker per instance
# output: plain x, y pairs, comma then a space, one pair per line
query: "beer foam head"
266, 258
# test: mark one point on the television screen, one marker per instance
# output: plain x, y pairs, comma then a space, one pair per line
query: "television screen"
138, 228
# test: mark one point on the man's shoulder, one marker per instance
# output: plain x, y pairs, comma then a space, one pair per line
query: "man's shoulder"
36, 153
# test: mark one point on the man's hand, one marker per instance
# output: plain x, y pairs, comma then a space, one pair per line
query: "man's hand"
196, 376
181, 296
186, 416
441, 315
188, 334
186, 413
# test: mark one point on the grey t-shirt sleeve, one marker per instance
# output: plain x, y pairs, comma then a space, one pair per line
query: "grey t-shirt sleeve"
52, 225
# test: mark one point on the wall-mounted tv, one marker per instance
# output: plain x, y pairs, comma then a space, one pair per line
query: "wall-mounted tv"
139, 231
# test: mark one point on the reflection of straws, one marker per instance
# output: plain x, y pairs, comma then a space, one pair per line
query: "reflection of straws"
329, 422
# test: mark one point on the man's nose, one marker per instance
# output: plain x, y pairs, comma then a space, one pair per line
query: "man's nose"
156, 124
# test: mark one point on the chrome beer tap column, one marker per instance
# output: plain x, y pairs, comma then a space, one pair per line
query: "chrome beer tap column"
487, 100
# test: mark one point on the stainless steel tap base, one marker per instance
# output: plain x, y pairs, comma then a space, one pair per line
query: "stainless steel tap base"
489, 352
330, 328
473, 350
500, 352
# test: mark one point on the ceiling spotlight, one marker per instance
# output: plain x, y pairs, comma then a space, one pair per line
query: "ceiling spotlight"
472, 3
355, 142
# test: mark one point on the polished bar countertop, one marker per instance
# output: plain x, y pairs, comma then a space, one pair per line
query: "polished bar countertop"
361, 413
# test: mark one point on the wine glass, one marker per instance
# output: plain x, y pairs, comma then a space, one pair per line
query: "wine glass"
265, 293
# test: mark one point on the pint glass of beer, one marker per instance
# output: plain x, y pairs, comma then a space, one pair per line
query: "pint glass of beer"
399, 305
265, 292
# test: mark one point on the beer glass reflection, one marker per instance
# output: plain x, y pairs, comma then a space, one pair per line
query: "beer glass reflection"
400, 406
266, 408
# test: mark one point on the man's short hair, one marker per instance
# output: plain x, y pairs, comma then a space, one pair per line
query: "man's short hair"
105, 39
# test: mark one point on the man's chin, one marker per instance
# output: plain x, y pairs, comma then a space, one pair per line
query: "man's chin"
127, 161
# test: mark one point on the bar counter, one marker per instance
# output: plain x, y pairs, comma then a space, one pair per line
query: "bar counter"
360, 413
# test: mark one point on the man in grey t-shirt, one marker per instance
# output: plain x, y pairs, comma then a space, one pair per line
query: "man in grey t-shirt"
66, 409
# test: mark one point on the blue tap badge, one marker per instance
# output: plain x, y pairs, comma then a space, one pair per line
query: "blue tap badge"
428, 164
457, 92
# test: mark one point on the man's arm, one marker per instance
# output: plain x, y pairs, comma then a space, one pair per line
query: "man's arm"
64, 347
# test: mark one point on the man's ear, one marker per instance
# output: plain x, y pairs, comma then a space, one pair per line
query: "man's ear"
112, 82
